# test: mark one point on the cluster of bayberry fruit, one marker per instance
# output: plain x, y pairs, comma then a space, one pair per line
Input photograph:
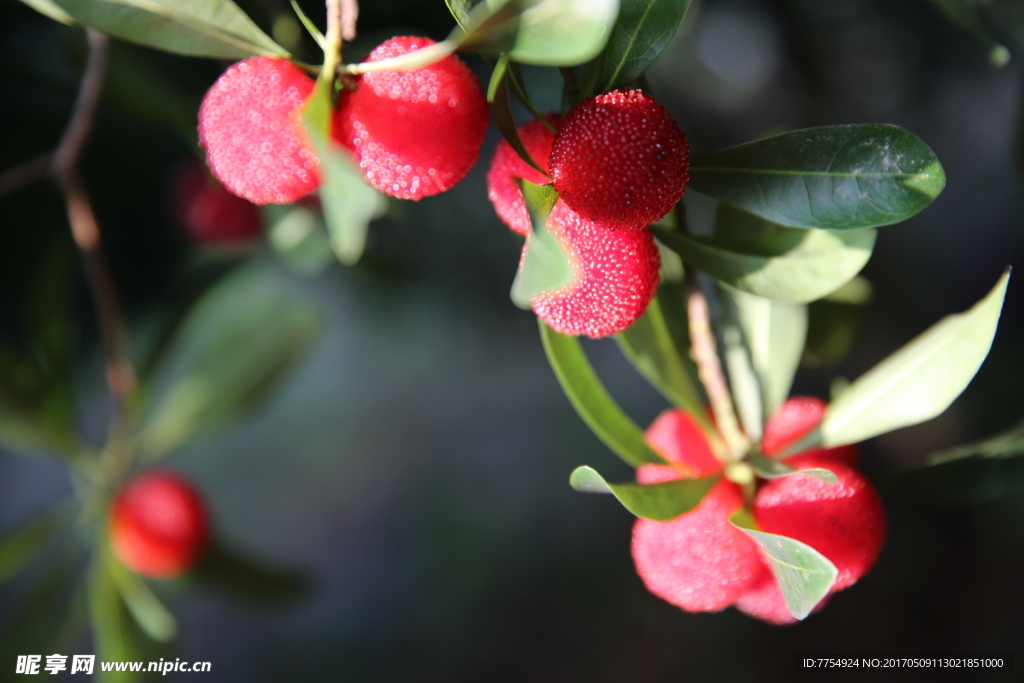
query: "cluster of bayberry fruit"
619, 163
701, 562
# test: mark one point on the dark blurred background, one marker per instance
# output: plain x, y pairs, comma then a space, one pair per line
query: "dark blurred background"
415, 465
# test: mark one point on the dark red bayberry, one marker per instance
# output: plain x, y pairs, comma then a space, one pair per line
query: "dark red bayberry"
207, 212
507, 165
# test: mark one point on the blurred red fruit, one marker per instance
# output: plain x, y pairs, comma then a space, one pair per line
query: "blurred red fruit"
250, 124
620, 159
158, 525
793, 421
207, 212
414, 133
615, 276
507, 165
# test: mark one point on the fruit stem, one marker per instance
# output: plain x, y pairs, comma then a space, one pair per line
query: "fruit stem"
333, 39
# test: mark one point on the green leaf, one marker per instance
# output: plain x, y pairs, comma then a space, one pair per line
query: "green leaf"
639, 36
737, 357
804, 265
308, 24
460, 11
541, 32
19, 548
231, 351
660, 502
592, 401
658, 343
769, 468
211, 28
833, 177
920, 380
34, 414
51, 9
112, 627
804, 575
349, 203
248, 579
153, 618
300, 237
501, 111
546, 267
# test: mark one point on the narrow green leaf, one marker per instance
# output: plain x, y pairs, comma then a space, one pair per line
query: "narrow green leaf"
111, 625
19, 548
920, 380
639, 36
658, 343
153, 618
737, 357
51, 9
833, 177
810, 265
248, 579
460, 11
804, 575
660, 502
501, 112
546, 267
349, 203
592, 401
308, 24
233, 348
770, 468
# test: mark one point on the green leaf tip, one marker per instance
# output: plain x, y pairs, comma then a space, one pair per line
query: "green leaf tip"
546, 266
929, 181
660, 502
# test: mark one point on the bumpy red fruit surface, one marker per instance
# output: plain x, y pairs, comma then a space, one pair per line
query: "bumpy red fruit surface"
507, 165
250, 124
158, 525
793, 421
621, 159
697, 561
207, 212
414, 133
614, 276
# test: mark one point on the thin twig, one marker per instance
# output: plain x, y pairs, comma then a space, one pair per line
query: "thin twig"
349, 15
85, 229
23, 175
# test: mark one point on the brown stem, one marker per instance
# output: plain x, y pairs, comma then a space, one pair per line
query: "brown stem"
23, 175
349, 15
85, 229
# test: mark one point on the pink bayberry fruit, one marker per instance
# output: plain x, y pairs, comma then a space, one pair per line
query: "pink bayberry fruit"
614, 276
158, 525
414, 133
207, 212
250, 123
620, 158
793, 421
507, 165
697, 561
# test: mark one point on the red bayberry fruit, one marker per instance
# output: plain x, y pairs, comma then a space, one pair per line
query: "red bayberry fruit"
250, 124
158, 525
620, 158
844, 521
614, 276
207, 212
793, 421
507, 165
697, 561
414, 133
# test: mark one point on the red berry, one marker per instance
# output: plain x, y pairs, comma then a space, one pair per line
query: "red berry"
415, 133
207, 212
620, 159
507, 165
794, 420
615, 276
250, 123
158, 525
679, 439
764, 601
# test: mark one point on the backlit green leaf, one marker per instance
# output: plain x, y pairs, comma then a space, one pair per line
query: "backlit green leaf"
150, 614
592, 401
920, 380
112, 627
210, 28
660, 502
52, 10
833, 177
546, 266
804, 575
639, 36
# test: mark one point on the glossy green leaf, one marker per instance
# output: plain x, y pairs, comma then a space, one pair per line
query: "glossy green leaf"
639, 36
149, 613
660, 502
248, 579
231, 351
804, 575
460, 11
658, 346
833, 177
51, 9
546, 266
542, 32
349, 203
19, 548
217, 28
592, 401
770, 468
920, 380
806, 265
